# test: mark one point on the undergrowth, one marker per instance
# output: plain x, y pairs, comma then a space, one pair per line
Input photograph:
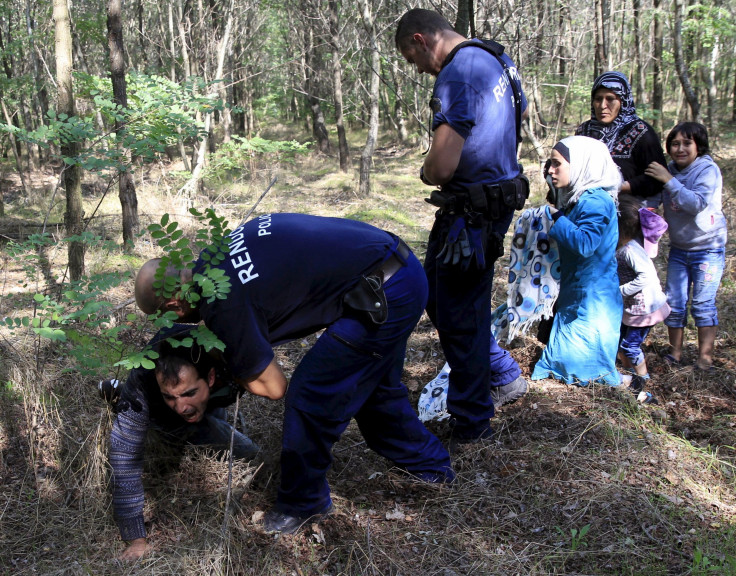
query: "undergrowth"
577, 481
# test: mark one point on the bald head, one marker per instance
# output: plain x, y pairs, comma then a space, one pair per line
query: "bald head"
145, 295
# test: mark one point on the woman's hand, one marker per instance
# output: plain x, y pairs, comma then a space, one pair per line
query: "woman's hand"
658, 172
135, 550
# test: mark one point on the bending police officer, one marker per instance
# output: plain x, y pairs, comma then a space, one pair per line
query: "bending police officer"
292, 275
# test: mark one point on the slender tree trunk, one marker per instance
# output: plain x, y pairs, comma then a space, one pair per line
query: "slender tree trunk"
681, 66
16, 156
195, 180
141, 33
465, 21
562, 39
343, 150
126, 185
172, 42
657, 88
640, 72
399, 106
72, 172
226, 119
313, 70
733, 97
39, 96
186, 66
600, 47
172, 73
710, 81
366, 157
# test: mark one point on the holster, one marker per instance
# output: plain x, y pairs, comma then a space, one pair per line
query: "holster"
493, 200
369, 296
447, 202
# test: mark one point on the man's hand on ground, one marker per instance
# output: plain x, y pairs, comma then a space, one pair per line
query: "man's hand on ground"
136, 548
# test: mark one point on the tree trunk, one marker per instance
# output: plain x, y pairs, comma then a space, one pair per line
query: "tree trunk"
465, 21
343, 150
657, 88
142, 34
402, 132
126, 185
640, 72
313, 70
366, 157
72, 172
172, 73
681, 66
733, 97
600, 47
195, 182
710, 80
226, 119
39, 96
14, 148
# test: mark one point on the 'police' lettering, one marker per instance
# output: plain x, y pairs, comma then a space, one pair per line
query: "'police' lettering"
263, 224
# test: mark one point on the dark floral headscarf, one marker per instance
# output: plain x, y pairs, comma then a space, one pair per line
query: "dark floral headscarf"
617, 83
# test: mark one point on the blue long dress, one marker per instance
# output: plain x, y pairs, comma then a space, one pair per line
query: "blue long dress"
584, 339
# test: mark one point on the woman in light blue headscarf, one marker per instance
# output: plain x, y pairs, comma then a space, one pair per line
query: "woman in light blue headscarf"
584, 339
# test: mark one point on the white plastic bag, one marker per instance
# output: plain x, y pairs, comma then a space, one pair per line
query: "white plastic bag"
433, 399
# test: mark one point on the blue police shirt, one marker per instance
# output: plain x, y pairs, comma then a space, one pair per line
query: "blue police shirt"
289, 273
476, 100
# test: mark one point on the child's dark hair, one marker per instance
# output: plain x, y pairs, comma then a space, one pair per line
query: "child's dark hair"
629, 225
171, 360
695, 132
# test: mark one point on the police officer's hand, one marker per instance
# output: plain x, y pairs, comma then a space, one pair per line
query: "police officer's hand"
136, 548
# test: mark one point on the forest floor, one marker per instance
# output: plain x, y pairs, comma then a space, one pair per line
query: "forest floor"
577, 481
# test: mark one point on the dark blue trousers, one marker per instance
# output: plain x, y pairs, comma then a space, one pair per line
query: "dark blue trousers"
354, 370
459, 306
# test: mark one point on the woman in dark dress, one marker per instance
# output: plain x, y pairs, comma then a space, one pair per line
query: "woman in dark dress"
633, 143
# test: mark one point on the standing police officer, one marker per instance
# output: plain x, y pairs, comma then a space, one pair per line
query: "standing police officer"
478, 106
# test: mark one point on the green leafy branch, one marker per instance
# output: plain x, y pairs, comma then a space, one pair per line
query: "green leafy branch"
210, 283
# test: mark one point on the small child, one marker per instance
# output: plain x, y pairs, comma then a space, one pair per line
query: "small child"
691, 198
645, 304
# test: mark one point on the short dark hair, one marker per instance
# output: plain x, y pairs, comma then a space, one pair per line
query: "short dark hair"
419, 20
695, 132
629, 225
172, 359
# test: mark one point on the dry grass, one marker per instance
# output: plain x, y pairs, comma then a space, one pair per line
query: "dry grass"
578, 481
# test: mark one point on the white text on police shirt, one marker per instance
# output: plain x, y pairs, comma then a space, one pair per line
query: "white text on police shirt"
503, 83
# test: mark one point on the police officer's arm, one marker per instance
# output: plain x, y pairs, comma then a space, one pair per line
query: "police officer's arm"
444, 155
270, 383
